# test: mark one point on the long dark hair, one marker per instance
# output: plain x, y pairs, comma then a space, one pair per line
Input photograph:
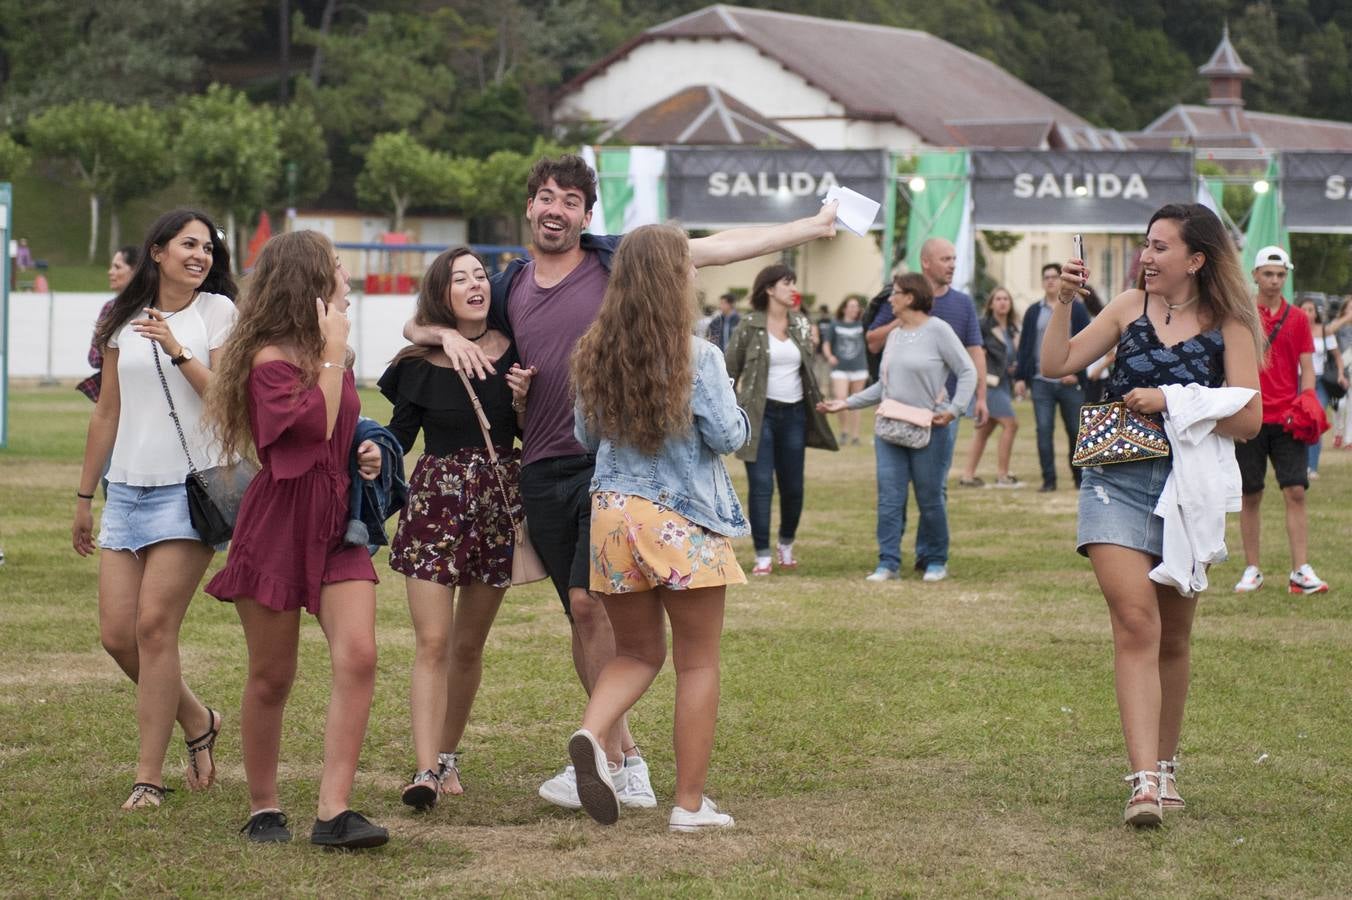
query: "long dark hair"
434, 299
144, 287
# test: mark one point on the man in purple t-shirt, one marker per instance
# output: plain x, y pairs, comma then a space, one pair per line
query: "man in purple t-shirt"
546, 304
938, 261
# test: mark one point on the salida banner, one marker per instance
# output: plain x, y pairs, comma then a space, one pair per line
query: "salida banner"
1097, 191
713, 187
1317, 191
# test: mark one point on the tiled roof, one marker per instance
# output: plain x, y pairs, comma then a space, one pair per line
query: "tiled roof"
878, 73
700, 115
1206, 126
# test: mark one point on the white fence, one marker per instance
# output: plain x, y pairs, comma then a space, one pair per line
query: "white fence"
49, 333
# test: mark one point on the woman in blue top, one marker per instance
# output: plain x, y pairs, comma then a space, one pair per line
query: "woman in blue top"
658, 413
1190, 320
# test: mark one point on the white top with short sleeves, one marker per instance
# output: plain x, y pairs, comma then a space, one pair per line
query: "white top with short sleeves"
147, 451
785, 381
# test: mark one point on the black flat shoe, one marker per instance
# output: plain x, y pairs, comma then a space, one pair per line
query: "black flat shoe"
349, 830
267, 827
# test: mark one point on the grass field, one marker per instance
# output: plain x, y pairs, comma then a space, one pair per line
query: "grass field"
899, 739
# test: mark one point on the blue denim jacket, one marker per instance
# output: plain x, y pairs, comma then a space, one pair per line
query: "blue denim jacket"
687, 475
370, 503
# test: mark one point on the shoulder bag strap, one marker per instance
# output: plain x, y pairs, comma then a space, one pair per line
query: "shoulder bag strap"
488, 443
173, 413
1272, 336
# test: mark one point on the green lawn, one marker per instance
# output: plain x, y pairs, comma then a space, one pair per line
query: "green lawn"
897, 739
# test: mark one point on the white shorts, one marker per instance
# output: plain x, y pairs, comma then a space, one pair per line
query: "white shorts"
849, 374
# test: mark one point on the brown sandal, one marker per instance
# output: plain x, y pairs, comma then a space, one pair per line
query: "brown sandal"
145, 795
203, 744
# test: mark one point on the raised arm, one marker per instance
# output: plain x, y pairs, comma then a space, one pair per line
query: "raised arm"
737, 244
465, 355
1064, 355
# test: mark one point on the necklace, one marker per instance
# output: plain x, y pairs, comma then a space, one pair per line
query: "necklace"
479, 335
1170, 307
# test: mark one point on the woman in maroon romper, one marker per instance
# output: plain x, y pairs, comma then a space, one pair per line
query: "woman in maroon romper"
287, 390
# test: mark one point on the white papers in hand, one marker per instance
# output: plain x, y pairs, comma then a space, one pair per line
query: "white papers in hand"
856, 212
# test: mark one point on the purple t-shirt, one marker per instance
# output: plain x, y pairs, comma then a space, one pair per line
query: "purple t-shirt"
955, 308
546, 324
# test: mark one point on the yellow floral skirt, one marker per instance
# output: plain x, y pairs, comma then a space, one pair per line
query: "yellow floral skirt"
637, 545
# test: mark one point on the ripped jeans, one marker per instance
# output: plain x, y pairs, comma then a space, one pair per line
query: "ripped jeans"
1117, 506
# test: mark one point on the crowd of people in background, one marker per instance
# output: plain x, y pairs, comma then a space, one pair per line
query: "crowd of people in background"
562, 427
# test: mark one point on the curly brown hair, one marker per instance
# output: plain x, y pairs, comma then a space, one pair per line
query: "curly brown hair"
434, 300
632, 369
276, 307
568, 171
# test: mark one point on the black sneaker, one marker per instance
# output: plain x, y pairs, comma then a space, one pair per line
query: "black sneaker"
1047, 487
267, 827
349, 830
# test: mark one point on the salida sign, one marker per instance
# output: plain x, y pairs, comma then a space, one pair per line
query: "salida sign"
1080, 191
709, 187
1317, 191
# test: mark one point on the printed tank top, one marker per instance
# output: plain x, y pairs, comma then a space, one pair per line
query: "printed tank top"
1144, 361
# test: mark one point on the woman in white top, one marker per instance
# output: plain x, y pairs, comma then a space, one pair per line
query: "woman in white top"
171, 318
1325, 342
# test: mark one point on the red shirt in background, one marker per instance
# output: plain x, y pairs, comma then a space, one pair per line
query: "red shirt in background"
1279, 380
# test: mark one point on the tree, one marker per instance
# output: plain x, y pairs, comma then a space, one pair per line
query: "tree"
304, 153
228, 149
114, 154
1331, 75
14, 158
400, 172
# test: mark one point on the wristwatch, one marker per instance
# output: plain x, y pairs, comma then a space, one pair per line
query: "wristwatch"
184, 355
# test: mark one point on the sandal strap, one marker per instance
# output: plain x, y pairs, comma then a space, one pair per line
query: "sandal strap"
424, 775
208, 740
1141, 782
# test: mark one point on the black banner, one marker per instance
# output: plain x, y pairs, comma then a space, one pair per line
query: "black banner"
710, 187
1317, 191
1093, 191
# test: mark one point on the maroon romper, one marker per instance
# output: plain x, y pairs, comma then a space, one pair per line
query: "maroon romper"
289, 535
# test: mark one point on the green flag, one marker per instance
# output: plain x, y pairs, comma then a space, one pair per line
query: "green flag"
940, 210
1266, 224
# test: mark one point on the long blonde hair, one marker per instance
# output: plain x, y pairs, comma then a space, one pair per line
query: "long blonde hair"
632, 368
276, 306
1222, 288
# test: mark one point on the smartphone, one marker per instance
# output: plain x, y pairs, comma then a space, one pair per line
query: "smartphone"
1079, 247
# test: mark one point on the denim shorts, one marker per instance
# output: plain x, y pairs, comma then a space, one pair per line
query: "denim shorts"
1117, 506
135, 517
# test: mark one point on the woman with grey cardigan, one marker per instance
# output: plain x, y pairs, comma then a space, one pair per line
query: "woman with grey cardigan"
917, 359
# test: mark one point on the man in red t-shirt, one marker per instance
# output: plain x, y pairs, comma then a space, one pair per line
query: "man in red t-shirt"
1288, 372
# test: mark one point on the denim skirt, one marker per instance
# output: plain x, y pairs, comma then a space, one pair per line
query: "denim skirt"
135, 517
1117, 506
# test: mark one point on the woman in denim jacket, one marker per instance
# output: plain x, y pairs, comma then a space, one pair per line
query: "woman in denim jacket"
770, 360
658, 412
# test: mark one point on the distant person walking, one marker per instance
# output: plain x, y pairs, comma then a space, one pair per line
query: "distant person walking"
161, 338
722, 325
770, 361
1191, 298
663, 510
1326, 357
1000, 332
119, 273
848, 357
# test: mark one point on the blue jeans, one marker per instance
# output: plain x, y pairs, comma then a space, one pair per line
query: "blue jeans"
1313, 459
925, 470
932, 547
783, 445
1048, 397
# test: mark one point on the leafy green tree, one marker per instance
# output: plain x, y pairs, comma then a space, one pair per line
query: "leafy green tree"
14, 158
113, 154
400, 172
305, 158
1279, 83
1327, 53
228, 150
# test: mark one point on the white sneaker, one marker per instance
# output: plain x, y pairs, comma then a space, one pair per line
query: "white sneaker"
1250, 581
935, 572
595, 781
1304, 581
707, 816
561, 790
882, 573
633, 785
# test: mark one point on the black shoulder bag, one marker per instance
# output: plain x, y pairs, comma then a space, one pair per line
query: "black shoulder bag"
213, 494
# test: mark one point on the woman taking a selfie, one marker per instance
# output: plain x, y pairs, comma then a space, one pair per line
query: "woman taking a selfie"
1192, 302
160, 339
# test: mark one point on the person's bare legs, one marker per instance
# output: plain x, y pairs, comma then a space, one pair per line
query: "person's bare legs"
852, 416
120, 574
169, 577
1134, 609
980, 435
1176, 617
840, 389
593, 649
640, 650
1251, 526
1297, 525
272, 639
347, 613
1006, 447
475, 610
431, 607
696, 631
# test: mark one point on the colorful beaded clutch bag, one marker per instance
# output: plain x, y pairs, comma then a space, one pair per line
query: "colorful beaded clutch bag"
1110, 433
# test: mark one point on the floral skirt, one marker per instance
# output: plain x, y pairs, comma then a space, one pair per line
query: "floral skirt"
637, 545
457, 525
